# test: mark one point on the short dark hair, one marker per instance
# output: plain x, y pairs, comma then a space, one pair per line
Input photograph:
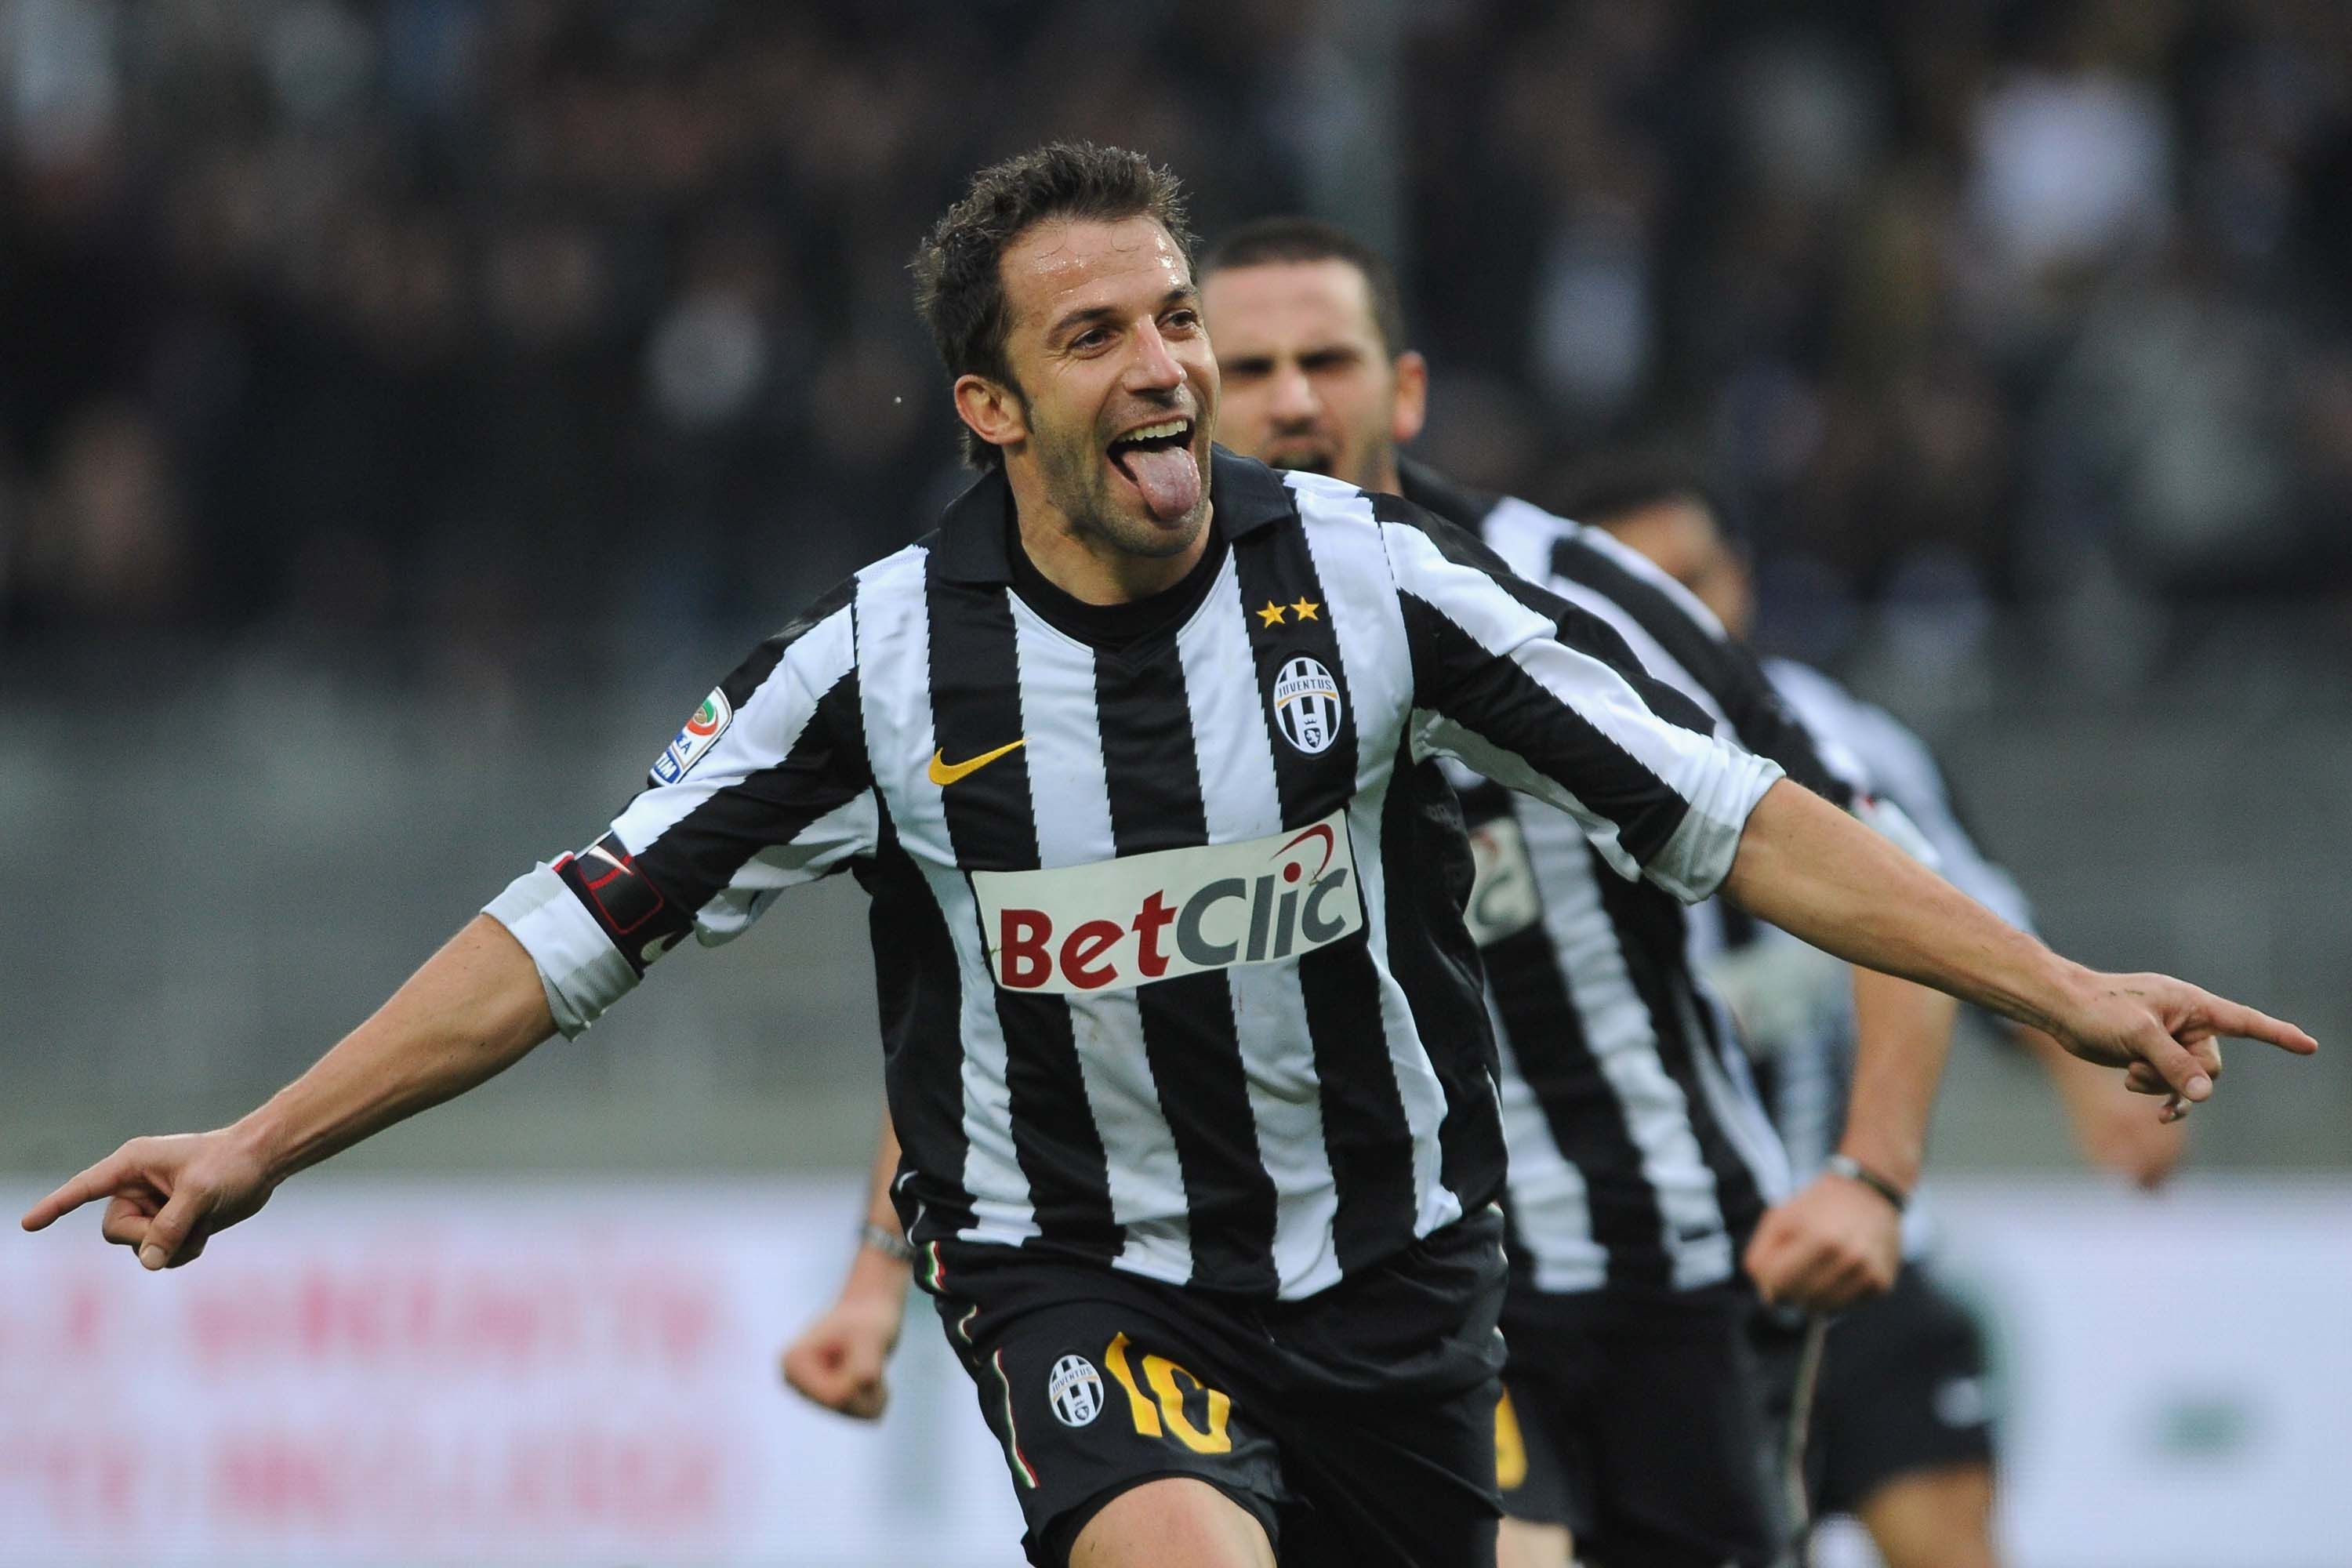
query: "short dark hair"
1604, 490
1270, 240
959, 282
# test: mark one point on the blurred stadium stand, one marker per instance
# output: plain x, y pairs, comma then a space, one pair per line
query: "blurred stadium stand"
406, 409
221, 883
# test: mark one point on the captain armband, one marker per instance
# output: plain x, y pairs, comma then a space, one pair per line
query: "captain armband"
640, 922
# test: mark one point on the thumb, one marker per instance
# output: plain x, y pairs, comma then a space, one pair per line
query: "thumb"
2174, 1064
168, 1232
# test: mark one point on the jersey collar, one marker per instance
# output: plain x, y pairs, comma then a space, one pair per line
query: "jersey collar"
1248, 497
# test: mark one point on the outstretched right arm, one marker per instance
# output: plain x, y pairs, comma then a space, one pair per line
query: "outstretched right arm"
475, 1009
765, 787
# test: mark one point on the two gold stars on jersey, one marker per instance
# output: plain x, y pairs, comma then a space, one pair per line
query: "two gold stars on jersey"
1276, 615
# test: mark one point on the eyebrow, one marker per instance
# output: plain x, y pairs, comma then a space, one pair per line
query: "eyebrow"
1183, 293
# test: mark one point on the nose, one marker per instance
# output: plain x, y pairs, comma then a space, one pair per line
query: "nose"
1291, 397
1153, 368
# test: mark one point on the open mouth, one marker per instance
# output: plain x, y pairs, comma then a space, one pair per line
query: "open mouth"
1158, 460
1165, 437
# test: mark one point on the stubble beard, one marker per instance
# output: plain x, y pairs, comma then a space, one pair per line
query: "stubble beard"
1074, 469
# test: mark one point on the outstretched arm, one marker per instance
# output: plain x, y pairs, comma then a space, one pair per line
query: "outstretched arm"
838, 1361
765, 787
1608, 636
1810, 869
475, 1009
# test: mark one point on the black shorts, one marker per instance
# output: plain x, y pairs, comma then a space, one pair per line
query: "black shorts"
1356, 1424
1903, 1389
1636, 1419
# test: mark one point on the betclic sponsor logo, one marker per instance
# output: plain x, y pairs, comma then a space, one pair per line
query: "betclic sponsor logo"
1111, 926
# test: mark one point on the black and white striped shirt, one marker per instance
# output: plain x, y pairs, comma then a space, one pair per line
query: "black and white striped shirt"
1166, 931
1640, 1154
1798, 1014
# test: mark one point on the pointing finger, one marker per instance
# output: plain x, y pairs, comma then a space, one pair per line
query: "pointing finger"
98, 1181
2227, 1018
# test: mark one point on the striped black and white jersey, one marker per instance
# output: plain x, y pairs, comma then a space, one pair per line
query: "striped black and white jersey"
1640, 1152
1167, 925
1797, 1016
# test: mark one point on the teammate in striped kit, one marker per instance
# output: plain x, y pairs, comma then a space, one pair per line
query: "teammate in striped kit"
1640, 1167
1182, 1029
1902, 1430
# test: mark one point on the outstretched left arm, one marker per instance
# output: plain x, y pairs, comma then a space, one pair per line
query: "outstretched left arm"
1813, 870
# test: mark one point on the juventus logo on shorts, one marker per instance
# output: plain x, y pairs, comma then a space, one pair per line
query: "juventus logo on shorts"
1076, 1389
1306, 705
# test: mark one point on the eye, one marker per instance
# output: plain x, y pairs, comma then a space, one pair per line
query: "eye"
1092, 337
1186, 320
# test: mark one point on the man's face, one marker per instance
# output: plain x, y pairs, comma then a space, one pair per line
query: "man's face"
1308, 382
1115, 400
1681, 536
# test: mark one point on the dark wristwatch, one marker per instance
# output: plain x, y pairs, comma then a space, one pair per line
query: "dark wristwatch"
1854, 1170
888, 1242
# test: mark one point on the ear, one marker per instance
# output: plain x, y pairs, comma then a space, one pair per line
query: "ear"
995, 412
1411, 410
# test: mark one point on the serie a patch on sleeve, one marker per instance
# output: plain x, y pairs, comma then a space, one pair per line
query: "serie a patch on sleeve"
694, 742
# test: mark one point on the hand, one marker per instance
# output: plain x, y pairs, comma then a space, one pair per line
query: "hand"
169, 1194
2165, 1033
1834, 1244
837, 1361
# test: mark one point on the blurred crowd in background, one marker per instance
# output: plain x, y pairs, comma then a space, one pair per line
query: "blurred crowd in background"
424, 325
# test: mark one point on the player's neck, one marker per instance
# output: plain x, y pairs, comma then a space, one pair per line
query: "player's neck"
1377, 471
1093, 571
1090, 568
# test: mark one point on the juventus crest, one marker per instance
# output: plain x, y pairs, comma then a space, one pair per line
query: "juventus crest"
1306, 704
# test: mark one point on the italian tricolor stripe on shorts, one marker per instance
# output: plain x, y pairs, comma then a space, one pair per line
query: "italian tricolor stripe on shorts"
1021, 1471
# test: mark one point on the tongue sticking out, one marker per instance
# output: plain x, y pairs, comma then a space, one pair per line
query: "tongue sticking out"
1168, 478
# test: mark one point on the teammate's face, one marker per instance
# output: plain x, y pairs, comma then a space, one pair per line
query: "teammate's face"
1680, 534
1308, 382
1115, 399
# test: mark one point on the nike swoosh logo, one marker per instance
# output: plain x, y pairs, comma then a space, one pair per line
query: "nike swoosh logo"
945, 772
